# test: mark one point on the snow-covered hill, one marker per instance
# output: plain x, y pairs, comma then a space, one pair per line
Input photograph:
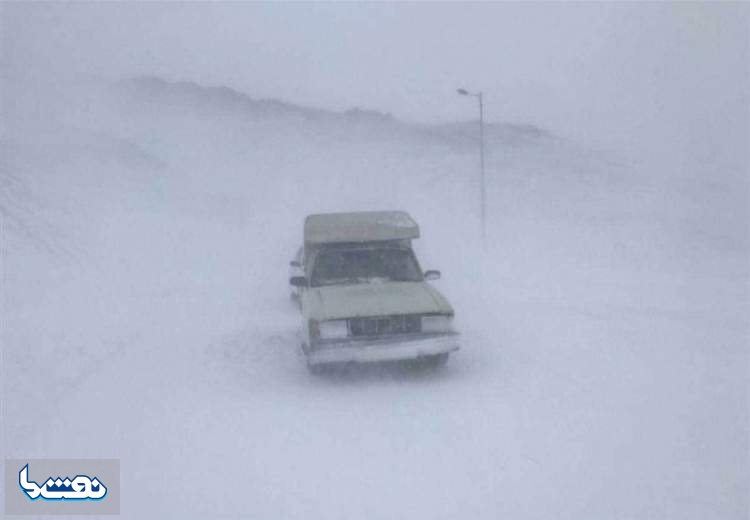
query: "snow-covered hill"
146, 232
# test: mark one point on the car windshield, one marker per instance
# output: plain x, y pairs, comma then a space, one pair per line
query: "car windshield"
366, 265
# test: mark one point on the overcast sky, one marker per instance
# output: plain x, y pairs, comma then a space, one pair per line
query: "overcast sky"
602, 71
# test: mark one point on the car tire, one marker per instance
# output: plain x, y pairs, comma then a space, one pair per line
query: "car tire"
432, 362
438, 360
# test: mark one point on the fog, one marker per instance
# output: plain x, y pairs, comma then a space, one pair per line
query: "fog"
158, 160
611, 71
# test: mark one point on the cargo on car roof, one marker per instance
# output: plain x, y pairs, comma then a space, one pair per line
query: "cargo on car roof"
366, 226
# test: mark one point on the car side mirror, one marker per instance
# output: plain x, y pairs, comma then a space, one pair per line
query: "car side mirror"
295, 263
298, 281
432, 275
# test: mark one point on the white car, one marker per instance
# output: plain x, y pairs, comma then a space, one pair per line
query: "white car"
363, 296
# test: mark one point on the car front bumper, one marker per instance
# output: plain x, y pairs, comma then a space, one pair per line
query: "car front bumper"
392, 348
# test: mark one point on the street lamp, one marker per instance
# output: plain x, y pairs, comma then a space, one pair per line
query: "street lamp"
478, 95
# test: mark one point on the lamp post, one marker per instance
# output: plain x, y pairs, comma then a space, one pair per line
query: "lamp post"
478, 95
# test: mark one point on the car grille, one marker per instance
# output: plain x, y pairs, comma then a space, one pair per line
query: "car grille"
385, 325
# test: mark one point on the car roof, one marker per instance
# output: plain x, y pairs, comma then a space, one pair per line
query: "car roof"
361, 226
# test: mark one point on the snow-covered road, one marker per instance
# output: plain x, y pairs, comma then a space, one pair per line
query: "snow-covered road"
603, 372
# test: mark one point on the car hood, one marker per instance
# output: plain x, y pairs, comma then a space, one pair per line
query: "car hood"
373, 299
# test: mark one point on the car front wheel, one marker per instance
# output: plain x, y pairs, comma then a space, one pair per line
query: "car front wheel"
431, 362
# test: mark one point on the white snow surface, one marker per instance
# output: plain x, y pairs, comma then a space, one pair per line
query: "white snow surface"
146, 316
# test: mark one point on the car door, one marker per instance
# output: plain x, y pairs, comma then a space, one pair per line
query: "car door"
297, 268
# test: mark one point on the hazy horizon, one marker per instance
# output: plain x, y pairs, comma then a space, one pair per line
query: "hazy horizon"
617, 75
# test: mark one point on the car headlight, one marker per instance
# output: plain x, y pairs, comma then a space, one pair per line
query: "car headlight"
437, 323
333, 329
